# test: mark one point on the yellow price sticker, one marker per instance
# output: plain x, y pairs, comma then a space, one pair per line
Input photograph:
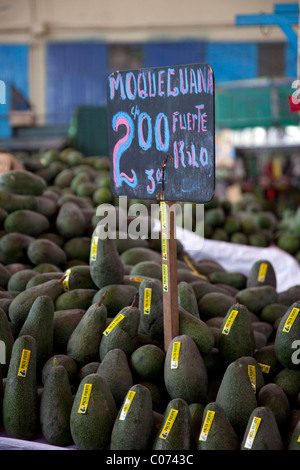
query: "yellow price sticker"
168, 424
262, 272
94, 248
85, 398
147, 300
164, 246
175, 355
229, 322
126, 406
163, 215
24, 362
136, 279
252, 432
265, 368
66, 280
113, 324
165, 277
290, 320
252, 376
206, 425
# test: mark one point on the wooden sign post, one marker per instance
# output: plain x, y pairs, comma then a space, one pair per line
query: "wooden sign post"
169, 273
154, 114
169, 264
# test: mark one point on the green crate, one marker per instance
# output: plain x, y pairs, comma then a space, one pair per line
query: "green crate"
88, 130
254, 106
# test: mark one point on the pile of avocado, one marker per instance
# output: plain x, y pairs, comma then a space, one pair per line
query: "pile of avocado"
81, 326
250, 221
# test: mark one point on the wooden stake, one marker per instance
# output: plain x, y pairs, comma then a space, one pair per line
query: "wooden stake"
169, 264
169, 273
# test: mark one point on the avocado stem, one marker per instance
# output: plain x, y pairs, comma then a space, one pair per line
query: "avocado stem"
135, 301
102, 298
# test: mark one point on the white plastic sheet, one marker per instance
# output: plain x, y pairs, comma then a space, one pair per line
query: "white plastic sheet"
8, 443
240, 258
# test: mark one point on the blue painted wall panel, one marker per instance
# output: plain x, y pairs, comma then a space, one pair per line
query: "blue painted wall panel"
13, 71
232, 61
76, 75
158, 54
77, 71
291, 61
14, 66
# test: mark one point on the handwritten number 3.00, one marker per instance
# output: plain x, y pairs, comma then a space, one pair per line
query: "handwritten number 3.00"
151, 188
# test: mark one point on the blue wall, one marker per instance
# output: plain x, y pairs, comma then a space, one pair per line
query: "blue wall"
13, 71
173, 53
76, 75
291, 61
232, 61
77, 72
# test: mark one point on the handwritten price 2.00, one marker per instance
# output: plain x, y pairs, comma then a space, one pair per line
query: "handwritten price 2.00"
159, 133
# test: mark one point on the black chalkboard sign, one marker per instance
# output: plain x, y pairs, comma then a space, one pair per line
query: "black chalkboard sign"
158, 112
